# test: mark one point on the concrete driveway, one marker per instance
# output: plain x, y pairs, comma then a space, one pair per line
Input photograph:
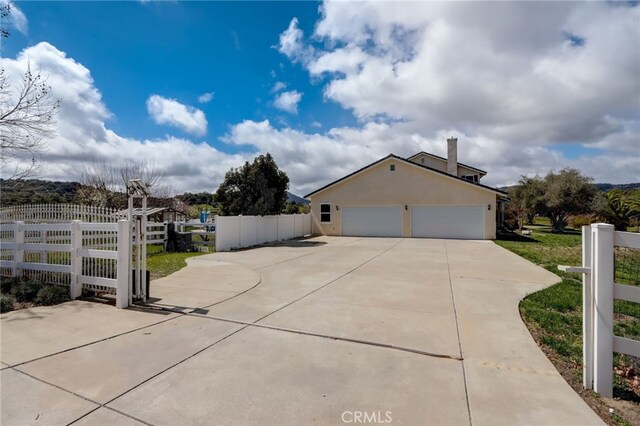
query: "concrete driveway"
319, 331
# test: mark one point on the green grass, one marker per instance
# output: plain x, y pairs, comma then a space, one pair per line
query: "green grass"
160, 264
554, 315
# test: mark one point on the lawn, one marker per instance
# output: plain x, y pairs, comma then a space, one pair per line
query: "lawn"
554, 315
160, 263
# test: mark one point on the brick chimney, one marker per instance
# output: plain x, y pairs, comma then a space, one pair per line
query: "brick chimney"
452, 156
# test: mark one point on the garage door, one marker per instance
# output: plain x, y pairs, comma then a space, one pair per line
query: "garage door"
463, 222
372, 221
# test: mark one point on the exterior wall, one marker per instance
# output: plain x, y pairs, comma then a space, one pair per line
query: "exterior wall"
407, 185
441, 165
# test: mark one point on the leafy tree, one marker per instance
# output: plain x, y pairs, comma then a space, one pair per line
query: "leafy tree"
566, 193
294, 208
259, 188
527, 199
618, 207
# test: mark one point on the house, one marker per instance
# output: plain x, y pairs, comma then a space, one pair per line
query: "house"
424, 196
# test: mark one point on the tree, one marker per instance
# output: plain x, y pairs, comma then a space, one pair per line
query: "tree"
527, 199
27, 114
259, 188
566, 193
104, 184
618, 207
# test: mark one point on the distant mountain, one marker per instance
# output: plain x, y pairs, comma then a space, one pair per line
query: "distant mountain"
604, 187
296, 199
624, 186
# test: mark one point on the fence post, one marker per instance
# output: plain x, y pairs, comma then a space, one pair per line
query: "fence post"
166, 235
587, 310
76, 259
602, 241
18, 251
43, 254
123, 287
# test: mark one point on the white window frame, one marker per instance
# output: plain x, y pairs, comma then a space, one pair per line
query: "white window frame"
321, 213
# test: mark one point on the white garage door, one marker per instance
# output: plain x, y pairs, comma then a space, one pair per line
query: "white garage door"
464, 222
372, 221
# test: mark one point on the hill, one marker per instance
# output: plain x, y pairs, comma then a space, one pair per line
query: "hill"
604, 187
35, 191
296, 199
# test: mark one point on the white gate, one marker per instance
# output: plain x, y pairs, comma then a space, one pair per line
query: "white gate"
598, 292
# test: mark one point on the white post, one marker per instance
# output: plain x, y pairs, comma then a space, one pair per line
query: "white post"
18, 251
76, 259
43, 254
587, 311
143, 252
123, 290
602, 240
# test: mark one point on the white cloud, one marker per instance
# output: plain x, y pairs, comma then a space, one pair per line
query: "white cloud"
16, 18
173, 113
278, 86
292, 43
288, 101
502, 72
83, 134
205, 98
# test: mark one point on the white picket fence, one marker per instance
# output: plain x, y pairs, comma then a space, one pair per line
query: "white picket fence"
233, 232
50, 213
598, 292
78, 254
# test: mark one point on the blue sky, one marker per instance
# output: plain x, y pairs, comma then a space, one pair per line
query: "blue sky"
328, 87
182, 50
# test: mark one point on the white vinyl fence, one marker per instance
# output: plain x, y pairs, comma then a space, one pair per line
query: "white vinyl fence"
598, 292
233, 232
78, 254
39, 213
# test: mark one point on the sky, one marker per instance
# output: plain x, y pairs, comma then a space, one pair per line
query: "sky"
197, 88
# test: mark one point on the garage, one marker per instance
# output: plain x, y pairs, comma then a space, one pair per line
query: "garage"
372, 221
463, 222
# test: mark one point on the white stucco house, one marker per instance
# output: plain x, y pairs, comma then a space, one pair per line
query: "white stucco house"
424, 196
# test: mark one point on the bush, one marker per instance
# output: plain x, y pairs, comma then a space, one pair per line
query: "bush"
6, 284
578, 222
52, 295
6, 303
26, 290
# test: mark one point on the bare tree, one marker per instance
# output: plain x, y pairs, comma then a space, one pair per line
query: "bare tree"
27, 114
105, 184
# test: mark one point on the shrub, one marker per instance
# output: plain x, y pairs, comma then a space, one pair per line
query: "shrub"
6, 303
6, 284
52, 295
26, 290
578, 222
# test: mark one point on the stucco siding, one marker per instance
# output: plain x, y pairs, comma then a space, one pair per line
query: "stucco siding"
407, 186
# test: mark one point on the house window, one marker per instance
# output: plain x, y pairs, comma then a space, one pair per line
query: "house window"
422, 160
470, 178
325, 213
392, 167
